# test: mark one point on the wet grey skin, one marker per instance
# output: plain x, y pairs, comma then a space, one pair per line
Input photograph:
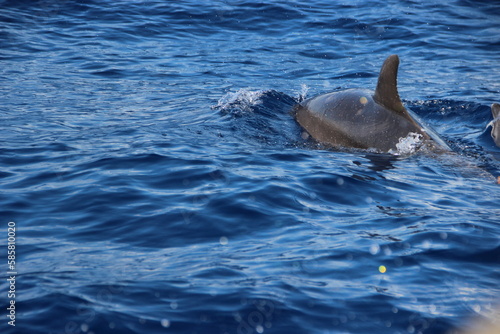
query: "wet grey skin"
361, 118
495, 124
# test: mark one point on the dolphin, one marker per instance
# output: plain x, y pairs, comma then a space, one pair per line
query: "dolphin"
495, 123
361, 118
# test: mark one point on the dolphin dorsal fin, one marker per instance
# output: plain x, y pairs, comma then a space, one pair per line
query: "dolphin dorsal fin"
495, 110
386, 93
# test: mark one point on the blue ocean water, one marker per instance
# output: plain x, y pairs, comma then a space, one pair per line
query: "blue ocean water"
158, 183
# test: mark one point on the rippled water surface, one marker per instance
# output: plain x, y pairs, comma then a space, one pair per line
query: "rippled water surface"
159, 184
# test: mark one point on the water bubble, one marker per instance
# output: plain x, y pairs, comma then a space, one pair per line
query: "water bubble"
173, 305
165, 323
223, 241
387, 251
84, 327
340, 181
374, 249
259, 329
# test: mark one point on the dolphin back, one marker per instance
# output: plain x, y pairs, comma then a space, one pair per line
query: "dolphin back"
361, 118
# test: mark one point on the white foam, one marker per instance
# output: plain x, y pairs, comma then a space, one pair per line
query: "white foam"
243, 99
303, 92
408, 144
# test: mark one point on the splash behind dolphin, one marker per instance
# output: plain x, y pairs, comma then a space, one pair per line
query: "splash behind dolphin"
361, 118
